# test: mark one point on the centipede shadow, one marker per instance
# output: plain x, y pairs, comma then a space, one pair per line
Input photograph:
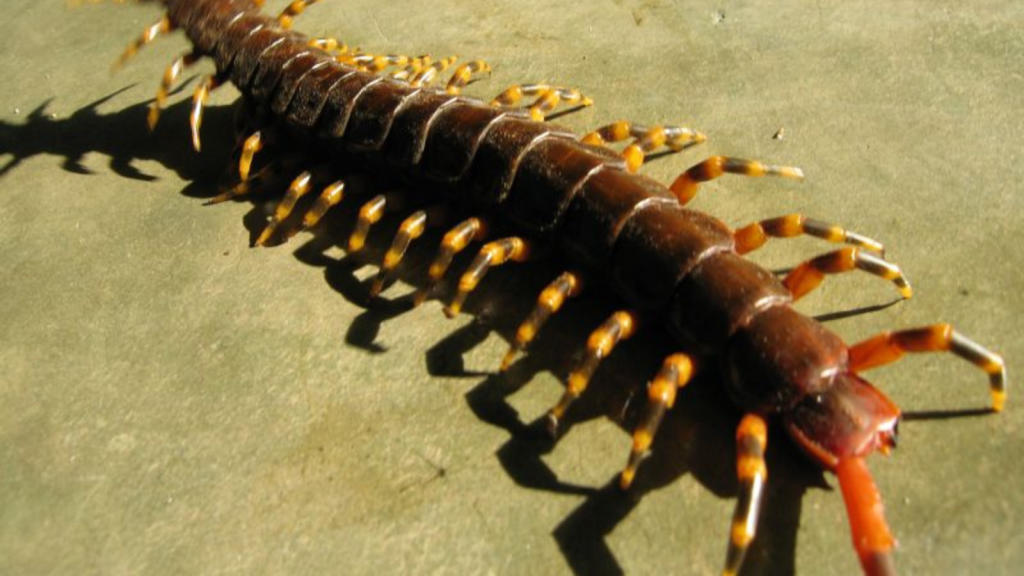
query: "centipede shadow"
697, 437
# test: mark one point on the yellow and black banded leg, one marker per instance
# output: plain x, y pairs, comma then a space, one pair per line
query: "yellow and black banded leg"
645, 140
330, 45
619, 326
548, 98
685, 186
410, 229
415, 66
751, 440
492, 254
871, 536
889, 347
426, 76
151, 33
809, 275
377, 63
753, 236
567, 285
454, 241
675, 373
331, 196
199, 97
463, 75
298, 188
170, 75
287, 16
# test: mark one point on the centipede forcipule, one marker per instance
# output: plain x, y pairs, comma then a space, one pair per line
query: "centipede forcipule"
753, 188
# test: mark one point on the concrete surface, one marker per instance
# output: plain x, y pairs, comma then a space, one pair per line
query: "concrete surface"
172, 401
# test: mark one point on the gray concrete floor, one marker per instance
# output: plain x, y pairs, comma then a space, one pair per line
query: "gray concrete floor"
172, 401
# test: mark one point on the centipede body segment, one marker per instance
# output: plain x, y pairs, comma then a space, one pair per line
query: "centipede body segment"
514, 187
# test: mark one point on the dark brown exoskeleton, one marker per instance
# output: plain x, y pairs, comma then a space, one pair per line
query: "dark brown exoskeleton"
609, 225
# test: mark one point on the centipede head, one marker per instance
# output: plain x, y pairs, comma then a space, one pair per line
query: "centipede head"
850, 419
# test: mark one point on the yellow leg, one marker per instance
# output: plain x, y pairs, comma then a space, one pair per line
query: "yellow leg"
548, 98
889, 347
151, 33
253, 144
369, 214
170, 75
620, 326
202, 93
427, 75
287, 16
329, 198
661, 396
810, 274
464, 74
685, 186
751, 439
645, 140
454, 241
242, 188
410, 229
299, 188
512, 249
753, 236
566, 286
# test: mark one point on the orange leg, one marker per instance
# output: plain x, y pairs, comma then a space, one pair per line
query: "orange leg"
685, 186
329, 198
511, 249
566, 286
889, 347
751, 439
871, 536
645, 140
809, 275
661, 396
620, 326
753, 236
427, 75
299, 188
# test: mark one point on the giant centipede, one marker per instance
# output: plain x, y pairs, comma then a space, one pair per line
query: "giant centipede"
501, 174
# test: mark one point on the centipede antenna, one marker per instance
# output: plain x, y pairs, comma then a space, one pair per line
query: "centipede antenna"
810, 274
166, 83
567, 285
619, 326
751, 439
675, 373
512, 249
685, 186
151, 33
455, 240
889, 347
753, 236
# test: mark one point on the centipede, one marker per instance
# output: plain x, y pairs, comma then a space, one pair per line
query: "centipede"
499, 178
